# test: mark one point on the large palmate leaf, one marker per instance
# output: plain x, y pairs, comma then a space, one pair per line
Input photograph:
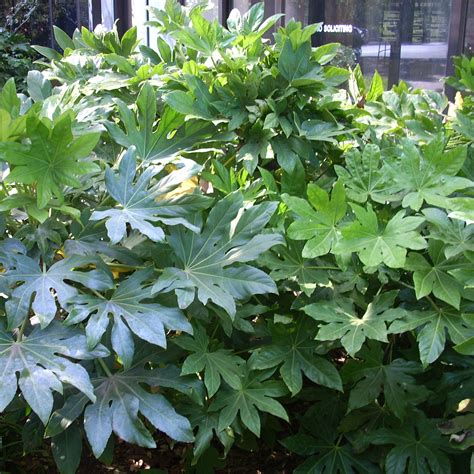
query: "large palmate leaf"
433, 277
457, 236
205, 36
42, 361
362, 175
126, 305
205, 424
296, 65
287, 264
34, 283
138, 205
376, 245
210, 264
253, 394
293, 350
171, 136
198, 102
344, 323
372, 377
429, 175
319, 225
325, 457
418, 447
434, 325
53, 158
217, 365
320, 440
119, 398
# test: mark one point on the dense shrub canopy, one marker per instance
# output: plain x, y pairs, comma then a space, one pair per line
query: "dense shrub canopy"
223, 239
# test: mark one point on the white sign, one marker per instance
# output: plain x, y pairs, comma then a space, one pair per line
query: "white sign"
322, 27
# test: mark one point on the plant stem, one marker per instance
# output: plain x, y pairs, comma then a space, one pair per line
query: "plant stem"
433, 304
258, 301
96, 293
19, 335
229, 160
431, 301
105, 368
216, 327
124, 266
315, 267
4, 187
406, 285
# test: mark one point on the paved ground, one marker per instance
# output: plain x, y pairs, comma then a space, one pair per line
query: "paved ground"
409, 51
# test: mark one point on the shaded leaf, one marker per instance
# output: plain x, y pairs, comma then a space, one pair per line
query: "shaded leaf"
43, 363
126, 305
343, 322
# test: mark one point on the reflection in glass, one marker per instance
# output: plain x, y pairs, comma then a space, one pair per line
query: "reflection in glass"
424, 44
242, 5
469, 40
402, 39
212, 11
297, 10
35, 19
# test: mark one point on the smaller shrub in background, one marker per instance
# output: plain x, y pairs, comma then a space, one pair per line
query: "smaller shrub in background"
16, 57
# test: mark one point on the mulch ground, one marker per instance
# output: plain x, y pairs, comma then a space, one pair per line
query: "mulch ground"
168, 459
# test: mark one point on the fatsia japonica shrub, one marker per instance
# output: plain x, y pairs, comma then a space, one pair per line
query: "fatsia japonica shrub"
232, 241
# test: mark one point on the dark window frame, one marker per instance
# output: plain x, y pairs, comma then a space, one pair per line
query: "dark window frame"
457, 31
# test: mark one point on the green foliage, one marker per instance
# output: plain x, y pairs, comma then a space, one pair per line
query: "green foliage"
16, 57
220, 238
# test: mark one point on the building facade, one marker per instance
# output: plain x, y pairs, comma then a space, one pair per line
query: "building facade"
410, 40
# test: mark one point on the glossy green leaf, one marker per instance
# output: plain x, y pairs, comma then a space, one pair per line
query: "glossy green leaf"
121, 397
293, 350
67, 450
363, 176
212, 264
376, 244
433, 277
54, 158
343, 322
253, 394
170, 137
138, 203
372, 377
434, 325
317, 224
429, 175
216, 365
417, 447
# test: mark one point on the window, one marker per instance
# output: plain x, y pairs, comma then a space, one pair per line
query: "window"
36, 19
402, 39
